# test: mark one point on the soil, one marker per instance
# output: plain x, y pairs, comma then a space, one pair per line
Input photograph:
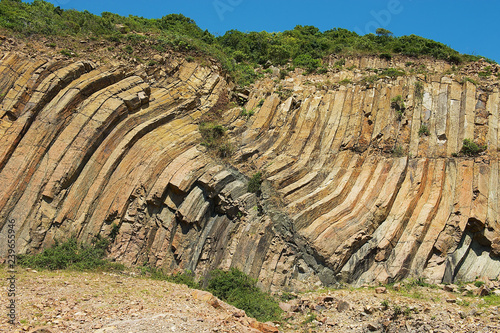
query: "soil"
71, 301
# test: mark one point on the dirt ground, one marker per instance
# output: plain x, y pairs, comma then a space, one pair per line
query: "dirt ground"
69, 301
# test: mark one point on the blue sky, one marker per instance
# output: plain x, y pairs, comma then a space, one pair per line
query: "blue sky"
465, 25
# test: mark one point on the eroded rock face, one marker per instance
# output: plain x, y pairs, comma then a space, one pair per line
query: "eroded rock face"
113, 150
369, 215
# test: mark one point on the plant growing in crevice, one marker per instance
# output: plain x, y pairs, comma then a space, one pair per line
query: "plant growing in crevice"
398, 104
214, 137
419, 91
468, 79
398, 151
392, 72
345, 81
246, 114
424, 130
115, 228
254, 183
470, 148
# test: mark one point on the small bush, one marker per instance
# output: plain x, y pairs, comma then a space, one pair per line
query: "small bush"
370, 79
214, 138
345, 82
398, 151
419, 90
115, 228
478, 283
129, 49
261, 102
71, 255
424, 130
307, 62
486, 73
254, 183
397, 311
238, 289
247, 114
468, 79
283, 74
398, 104
339, 63
67, 53
322, 70
470, 148
392, 72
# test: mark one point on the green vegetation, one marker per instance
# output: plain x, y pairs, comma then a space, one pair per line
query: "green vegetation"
478, 283
67, 53
232, 286
398, 104
470, 148
491, 300
424, 130
419, 91
187, 278
309, 319
254, 183
238, 289
214, 137
71, 255
391, 72
239, 53
468, 79
398, 151
486, 73
247, 114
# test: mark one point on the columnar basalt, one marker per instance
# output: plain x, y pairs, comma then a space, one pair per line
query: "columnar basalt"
354, 190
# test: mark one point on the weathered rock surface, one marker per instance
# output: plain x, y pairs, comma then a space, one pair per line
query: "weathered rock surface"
90, 149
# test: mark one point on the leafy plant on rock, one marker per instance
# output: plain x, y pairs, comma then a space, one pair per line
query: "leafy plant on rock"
254, 183
214, 137
398, 104
238, 289
470, 148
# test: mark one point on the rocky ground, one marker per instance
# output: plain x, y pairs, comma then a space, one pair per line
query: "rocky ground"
65, 301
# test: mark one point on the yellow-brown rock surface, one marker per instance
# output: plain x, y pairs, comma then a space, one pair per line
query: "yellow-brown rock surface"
353, 191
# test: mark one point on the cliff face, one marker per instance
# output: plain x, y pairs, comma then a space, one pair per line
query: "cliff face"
353, 191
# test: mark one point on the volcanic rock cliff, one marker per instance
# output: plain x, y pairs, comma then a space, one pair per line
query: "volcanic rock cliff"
354, 190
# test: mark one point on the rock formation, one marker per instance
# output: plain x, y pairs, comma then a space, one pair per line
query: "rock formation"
355, 191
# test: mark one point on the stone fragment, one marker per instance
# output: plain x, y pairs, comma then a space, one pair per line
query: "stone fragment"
451, 288
343, 306
264, 327
482, 291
